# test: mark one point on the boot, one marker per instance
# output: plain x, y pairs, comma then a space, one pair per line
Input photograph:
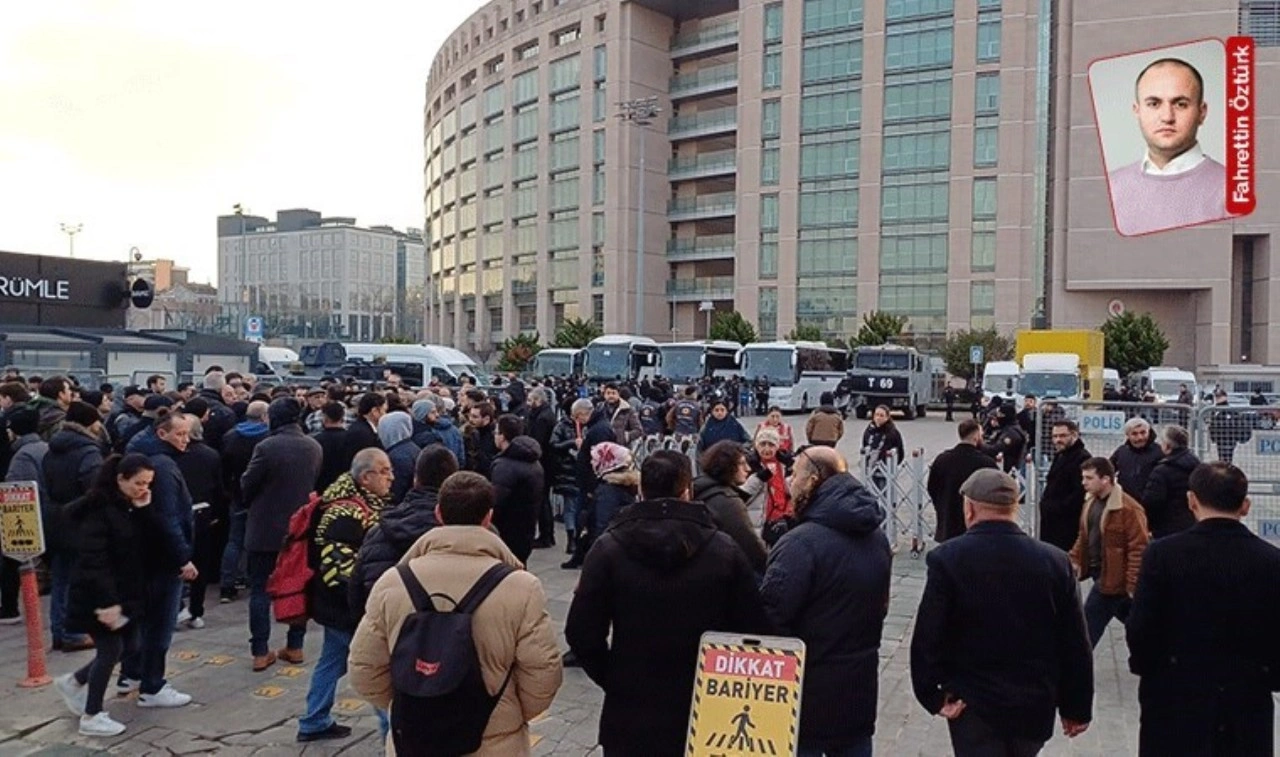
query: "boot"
571, 539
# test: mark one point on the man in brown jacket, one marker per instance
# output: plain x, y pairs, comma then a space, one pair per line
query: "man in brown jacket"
512, 630
825, 426
1113, 535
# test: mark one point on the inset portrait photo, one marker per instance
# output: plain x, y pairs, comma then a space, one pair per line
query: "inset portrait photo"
1161, 117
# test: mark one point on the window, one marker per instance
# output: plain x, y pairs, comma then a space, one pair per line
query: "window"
768, 256
827, 252
988, 37
600, 24
987, 97
896, 10
524, 88
982, 297
493, 100
835, 110
565, 36
564, 232
597, 272
597, 308
982, 251
773, 22
566, 113
597, 146
928, 96
599, 102
565, 152
770, 166
771, 118
525, 164
831, 15
564, 193
829, 303
923, 44
1260, 19
527, 51
915, 253
984, 198
828, 62
494, 66
829, 208
769, 313
600, 62
597, 186
565, 73
768, 212
988, 4
828, 160
914, 298
924, 201
986, 146
526, 123
913, 152
772, 70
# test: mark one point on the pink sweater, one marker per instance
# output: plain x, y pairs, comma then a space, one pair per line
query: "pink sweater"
1144, 203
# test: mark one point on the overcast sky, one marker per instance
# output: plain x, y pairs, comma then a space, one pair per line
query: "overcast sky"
143, 120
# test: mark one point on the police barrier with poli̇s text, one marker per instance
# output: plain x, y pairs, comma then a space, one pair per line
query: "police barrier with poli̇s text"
22, 538
746, 696
1247, 436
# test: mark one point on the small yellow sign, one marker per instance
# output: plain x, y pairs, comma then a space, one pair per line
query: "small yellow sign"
746, 697
220, 660
268, 692
21, 529
349, 705
291, 672
187, 655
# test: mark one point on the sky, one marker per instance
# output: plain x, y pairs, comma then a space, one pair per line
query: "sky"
144, 120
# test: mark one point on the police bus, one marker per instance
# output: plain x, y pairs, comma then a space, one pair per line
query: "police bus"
892, 375
690, 362
798, 372
620, 357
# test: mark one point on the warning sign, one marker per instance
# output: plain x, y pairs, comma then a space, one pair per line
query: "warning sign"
21, 530
746, 696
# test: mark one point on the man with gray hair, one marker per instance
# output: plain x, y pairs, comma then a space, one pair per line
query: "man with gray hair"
237, 450
1134, 459
221, 417
1165, 495
540, 423
594, 427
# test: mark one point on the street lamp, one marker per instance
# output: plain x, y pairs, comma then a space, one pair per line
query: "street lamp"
71, 229
244, 275
640, 113
708, 307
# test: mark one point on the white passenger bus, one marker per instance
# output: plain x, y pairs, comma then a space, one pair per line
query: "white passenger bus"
557, 362
690, 362
798, 372
620, 357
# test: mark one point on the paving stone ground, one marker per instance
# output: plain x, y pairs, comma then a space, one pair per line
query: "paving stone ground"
238, 712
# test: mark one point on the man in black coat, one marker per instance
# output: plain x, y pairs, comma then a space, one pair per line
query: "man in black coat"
517, 486
237, 450
951, 469
652, 584
540, 423
221, 417
332, 437
363, 432
1165, 495
1063, 496
201, 468
1134, 459
999, 688
827, 582
1203, 628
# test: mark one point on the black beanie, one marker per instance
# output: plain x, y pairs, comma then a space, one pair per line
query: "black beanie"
83, 413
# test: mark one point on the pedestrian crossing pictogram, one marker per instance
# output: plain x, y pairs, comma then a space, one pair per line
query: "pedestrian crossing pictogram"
740, 736
746, 698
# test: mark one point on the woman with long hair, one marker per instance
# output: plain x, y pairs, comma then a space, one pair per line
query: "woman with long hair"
113, 525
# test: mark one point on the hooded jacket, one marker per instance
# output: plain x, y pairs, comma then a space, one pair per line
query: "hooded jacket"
1165, 495
728, 509
517, 494
827, 582
110, 537
221, 418
70, 465
395, 430
1134, 465
511, 630
719, 430
443, 431
398, 528
171, 502
237, 451
660, 577
825, 426
616, 491
51, 415
347, 512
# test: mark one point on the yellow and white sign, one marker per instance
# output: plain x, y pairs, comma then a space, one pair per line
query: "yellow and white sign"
21, 529
746, 697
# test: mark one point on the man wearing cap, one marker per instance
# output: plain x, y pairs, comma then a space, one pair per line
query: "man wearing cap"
119, 423
999, 689
313, 418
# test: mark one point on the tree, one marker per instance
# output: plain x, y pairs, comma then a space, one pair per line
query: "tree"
805, 332
731, 326
396, 340
838, 344
955, 351
1134, 342
879, 327
516, 352
576, 333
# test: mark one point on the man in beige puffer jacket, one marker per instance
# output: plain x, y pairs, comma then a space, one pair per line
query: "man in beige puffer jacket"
512, 629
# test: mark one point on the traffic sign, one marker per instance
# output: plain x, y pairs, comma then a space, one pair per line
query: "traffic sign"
21, 528
975, 354
253, 328
746, 696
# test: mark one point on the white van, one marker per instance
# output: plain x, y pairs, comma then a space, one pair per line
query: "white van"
1166, 382
1002, 378
274, 361
443, 364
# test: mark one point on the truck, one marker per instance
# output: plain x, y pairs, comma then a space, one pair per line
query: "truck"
1056, 353
893, 375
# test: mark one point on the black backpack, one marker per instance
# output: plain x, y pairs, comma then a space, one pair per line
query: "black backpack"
441, 706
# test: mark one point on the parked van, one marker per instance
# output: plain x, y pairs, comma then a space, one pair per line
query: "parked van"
443, 364
1166, 382
1002, 378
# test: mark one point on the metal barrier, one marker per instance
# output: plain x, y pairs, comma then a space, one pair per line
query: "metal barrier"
1249, 438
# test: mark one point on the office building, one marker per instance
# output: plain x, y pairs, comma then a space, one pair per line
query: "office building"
310, 276
815, 160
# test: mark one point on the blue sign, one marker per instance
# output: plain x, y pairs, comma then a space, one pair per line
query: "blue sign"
1269, 530
1268, 442
1102, 422
253, 328
975, 354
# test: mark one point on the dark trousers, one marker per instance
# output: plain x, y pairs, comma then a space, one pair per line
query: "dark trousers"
546, 515
155, 629
10, 588
972, 737
109, 647
210, 539
260, 566
1100, 608
234, 549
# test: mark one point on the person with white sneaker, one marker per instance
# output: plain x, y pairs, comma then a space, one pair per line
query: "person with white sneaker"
112, 525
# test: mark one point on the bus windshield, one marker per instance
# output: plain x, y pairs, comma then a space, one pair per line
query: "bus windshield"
1051, 384
681, 363
883, 361
552, 365
774, 365
609, 361
1168, 387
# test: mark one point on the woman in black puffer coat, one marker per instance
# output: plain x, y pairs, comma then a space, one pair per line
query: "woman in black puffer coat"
724, 471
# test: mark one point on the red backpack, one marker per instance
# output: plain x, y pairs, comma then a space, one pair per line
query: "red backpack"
288, 583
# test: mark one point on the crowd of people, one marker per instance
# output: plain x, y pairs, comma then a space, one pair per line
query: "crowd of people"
411, 505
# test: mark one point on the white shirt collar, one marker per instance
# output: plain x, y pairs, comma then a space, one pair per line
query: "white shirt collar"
1181, 164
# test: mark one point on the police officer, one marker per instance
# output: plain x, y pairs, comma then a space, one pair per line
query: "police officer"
685, 419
